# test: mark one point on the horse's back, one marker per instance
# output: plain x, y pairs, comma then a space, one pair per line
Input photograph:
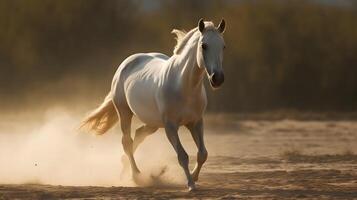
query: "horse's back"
136, 62
159, 55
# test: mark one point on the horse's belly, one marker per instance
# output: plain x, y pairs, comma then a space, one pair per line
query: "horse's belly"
141, 100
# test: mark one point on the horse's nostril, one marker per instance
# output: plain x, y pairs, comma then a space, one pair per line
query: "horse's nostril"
214, 77
217, 79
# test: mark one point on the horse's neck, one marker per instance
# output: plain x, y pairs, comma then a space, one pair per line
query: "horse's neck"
191, 76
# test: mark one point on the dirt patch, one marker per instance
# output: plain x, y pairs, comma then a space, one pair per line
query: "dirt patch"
280, 159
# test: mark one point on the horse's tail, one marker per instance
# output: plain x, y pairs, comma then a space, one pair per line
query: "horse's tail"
102, 118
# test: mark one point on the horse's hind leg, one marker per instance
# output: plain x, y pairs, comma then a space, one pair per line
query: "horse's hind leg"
196, 130
125, 122
141, 133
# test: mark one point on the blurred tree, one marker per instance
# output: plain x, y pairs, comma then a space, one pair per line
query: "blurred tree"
280, 54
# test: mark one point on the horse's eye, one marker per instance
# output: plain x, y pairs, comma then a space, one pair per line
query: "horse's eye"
224, 47
204, 46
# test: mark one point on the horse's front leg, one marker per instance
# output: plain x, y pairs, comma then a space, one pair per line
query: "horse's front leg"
171, 133
196, 130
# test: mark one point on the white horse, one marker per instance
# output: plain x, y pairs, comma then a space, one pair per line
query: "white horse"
165, 92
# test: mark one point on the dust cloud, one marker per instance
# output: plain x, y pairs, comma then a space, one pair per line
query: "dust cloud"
50, 150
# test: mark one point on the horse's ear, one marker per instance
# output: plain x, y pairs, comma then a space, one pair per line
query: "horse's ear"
222, 26
201, 25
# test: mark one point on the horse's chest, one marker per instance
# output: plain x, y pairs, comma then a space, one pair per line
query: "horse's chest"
188, 109
189, 114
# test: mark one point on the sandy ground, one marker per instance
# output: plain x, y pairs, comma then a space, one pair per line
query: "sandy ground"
248, 159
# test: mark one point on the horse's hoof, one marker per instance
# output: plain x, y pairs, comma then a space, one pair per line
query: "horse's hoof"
192, 188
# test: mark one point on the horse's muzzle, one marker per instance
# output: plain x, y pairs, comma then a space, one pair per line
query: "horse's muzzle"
216, 79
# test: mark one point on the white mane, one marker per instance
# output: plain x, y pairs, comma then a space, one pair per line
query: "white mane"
182, 37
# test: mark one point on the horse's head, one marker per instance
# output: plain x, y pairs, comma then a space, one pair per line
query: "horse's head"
210, 51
